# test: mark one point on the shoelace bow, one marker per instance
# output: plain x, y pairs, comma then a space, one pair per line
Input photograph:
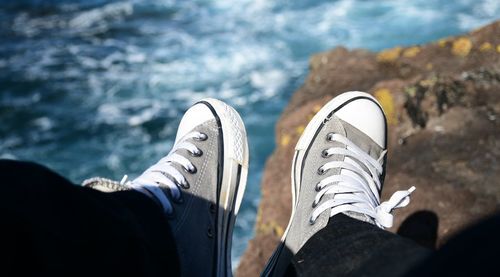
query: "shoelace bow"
356, 188
163, 175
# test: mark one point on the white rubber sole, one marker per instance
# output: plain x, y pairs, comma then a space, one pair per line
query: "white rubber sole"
307, 137
234, 179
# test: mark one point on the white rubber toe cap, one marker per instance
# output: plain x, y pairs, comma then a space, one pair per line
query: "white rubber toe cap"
366, 116
195, 116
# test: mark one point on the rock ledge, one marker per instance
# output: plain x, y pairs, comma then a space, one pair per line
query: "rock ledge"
442, 101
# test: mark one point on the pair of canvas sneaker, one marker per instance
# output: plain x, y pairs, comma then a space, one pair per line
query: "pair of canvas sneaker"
338, 167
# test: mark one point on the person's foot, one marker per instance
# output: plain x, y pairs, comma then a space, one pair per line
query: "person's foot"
200, 185
338, 167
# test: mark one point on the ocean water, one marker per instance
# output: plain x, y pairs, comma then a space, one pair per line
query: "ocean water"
98, 87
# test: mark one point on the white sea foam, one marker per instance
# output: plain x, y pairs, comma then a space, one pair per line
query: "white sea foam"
7, 156
93, 17
133, 112
129, 63
482, 13
145, 115
44, 123
270, 82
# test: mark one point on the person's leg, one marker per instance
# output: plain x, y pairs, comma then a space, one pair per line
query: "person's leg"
350, 247
54, 228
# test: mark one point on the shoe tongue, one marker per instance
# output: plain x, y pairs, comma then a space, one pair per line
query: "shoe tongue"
359, 216
363, 141
366, 144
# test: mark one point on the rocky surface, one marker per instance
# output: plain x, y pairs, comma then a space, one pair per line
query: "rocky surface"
442, 101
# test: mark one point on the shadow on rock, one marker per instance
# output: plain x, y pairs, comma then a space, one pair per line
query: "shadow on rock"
422, 227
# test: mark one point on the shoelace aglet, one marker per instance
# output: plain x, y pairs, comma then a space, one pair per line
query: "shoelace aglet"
124, 179
398, 200
382, 155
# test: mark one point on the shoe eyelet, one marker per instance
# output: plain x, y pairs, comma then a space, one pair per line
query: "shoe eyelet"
196, 154
190, 170
311, 221
210, 234
314, 204
321, 171
325, 154
184, 185
203, 137
329, 136
317, 188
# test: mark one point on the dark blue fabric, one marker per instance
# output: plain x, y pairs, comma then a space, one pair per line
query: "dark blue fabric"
51, 227
349, 247
54, 228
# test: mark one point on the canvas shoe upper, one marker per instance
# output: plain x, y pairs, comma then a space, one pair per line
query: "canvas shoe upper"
338, 167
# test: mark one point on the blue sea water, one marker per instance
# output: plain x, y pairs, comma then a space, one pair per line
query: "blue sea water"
98, 87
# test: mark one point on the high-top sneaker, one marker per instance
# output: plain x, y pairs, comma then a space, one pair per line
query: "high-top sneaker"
338, 167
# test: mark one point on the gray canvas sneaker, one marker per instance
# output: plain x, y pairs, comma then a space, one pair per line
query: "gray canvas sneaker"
338, 167
199, 185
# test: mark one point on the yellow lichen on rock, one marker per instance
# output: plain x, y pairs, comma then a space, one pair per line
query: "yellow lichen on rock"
428, 82
411, 91
429, 66
411, 52
270, 227
315, 110
498, 48
285, 140
389, 55
485, 47
461, 47
300, 129
442, 42
266, 228
385, 99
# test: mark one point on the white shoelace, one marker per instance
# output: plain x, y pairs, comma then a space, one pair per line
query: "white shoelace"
356, 188
164, 175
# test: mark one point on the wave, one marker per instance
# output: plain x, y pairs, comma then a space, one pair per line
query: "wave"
110, 79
